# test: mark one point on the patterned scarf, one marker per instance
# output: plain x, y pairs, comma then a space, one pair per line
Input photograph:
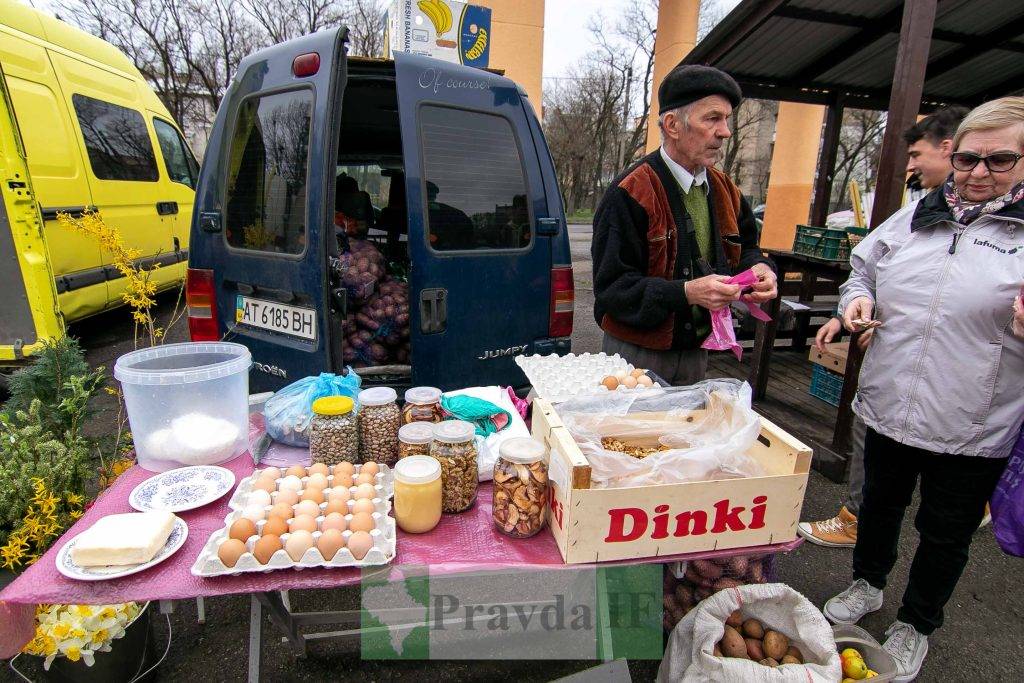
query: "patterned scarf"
966, 212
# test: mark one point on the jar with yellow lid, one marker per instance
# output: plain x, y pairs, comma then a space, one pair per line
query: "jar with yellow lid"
417, 493
333, 435
415, 439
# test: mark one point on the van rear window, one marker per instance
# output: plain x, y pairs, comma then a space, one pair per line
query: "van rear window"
116, 139
265, 208
475, 186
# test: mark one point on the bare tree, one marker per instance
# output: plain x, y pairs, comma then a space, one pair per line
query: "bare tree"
710, 13
860, 143
366, 23
283, 20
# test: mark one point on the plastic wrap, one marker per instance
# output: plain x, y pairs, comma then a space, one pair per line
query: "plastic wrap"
666, 436
289, 411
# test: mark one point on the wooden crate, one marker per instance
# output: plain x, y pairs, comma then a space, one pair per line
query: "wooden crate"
595, 525
834, 357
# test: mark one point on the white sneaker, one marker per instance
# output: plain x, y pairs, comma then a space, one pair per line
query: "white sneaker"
908, 648
853, 603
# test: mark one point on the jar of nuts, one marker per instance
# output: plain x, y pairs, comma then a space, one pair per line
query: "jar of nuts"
455, 447
379, 419
520, 487
422, 404
414, 439
333, 436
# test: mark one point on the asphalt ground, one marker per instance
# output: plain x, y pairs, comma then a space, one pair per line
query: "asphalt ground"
980, 641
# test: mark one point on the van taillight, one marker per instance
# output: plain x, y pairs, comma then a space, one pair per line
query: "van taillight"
563, 296
306, 65
201, 300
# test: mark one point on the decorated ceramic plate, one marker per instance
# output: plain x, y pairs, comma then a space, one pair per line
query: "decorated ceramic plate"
185, 488
68, 568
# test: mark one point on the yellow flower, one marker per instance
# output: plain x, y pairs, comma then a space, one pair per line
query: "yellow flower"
100, 636
61, 630
108, 612
74, 498
73, 653
82, 610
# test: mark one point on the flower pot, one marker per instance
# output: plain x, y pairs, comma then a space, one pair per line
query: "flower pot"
129, 656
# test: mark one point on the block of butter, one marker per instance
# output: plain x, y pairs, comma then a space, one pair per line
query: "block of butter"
131, 538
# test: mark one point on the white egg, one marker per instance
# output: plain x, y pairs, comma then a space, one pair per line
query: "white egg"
290, 482
258, 497
254, 512
621, 375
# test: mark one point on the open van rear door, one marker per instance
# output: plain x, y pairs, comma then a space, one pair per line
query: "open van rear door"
28, 303
261, 227
479, 224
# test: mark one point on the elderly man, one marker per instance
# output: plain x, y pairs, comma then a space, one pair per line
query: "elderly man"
670, 230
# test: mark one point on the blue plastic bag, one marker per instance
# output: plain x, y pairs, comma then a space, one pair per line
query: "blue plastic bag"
289, 412
1007, 504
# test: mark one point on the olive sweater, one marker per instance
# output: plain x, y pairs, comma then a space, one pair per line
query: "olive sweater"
645, 248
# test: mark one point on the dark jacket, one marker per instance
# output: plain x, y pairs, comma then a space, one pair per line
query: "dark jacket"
641, 257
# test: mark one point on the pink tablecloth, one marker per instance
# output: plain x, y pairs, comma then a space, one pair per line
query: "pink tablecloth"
462, 542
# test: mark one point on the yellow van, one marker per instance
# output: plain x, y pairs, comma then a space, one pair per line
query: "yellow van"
79, 128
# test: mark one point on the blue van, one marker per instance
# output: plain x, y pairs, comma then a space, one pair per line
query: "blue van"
460, 195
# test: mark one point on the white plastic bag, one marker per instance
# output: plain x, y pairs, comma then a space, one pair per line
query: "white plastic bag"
689, 655
487, 448
707, 429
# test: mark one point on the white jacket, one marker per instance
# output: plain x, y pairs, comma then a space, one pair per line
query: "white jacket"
944, 372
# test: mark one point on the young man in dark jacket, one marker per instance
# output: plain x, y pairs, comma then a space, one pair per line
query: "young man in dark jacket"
670, 230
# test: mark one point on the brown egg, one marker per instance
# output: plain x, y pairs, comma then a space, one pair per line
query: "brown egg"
307, 507
369, 467
365, 478
314, 494
343, 468
644, 381
241, 529
361, 521
610, 383
360, 543
365, 491
318, 468
230, 550
275, 526
341, 494
282, 510
339, 506
334, 520
303, 523
629, 382
317, 481
331, 541
296, 470
266, 547
363, 505
268, 485
342, 481
286, 496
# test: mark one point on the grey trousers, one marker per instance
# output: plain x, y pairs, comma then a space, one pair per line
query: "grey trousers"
855, 494
678, 368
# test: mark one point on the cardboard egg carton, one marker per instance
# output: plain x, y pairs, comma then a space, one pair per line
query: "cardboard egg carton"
384, 483
382, 551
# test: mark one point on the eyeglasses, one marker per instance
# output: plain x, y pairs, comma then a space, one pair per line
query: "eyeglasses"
996, 163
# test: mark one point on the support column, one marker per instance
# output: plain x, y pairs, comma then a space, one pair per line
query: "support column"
904, 103
825, 174
797, 132
517, 43
677, 34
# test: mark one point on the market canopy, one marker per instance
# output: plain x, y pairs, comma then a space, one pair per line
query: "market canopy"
818, 51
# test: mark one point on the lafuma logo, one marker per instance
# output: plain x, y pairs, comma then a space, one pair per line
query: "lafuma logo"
996, 247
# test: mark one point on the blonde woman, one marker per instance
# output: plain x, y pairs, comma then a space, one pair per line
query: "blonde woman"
940, 391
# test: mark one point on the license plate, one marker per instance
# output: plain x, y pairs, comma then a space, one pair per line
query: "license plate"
295, 321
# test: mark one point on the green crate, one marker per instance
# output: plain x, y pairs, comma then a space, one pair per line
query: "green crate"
808, 240
826, 385
825, 243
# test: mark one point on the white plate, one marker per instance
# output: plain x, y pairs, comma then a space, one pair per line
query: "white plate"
68, 568
185, 488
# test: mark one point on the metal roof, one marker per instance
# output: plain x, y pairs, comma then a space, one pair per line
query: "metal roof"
818, 50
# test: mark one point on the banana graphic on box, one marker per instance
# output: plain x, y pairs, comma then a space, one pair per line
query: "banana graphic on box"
440, 15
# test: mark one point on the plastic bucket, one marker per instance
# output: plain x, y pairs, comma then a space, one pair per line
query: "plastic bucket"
188, 404
877, 659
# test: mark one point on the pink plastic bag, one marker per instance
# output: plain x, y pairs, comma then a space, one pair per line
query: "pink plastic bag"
722, 337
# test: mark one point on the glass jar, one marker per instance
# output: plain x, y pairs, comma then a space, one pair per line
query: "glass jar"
414, 439
455, 447
422, 404
333, 436
379, 419
520, 487
417, 493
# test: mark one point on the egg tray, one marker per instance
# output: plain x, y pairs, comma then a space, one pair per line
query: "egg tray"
560, 378
382, 552
385, 485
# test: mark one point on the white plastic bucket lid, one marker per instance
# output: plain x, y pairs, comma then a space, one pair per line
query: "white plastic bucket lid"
416, 432
183, 363
377, 396
522, 450
417, 469
454, 431
423, 395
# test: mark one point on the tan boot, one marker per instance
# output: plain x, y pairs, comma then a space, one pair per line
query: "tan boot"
838, 532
